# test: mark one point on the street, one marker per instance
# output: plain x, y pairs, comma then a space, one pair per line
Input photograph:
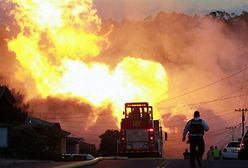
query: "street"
168, 163
130, 163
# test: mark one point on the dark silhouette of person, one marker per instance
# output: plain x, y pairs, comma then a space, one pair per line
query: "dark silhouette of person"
210, 153
195, 129
136, 112
186, 154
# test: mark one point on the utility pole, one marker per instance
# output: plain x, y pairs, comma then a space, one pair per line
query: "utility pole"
117, 149
232, 128
243, 110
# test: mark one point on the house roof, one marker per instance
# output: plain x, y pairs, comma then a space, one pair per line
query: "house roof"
6, 94
73, 139
32, 121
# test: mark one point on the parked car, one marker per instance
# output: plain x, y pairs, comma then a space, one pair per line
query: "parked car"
88, 157
74, 157
231, 150
243, 153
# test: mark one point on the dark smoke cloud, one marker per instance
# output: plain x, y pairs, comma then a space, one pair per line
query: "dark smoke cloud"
104, 121
81, 119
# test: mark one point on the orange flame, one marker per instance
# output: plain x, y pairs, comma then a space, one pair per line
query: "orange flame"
55, 40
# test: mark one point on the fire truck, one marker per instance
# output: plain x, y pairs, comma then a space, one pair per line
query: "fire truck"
140, 135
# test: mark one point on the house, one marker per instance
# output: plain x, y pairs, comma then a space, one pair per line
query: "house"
72, 145
31, 137
28, 137
87, 148
54, 137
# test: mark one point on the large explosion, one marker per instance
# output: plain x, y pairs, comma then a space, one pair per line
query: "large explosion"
55, 47
79, 70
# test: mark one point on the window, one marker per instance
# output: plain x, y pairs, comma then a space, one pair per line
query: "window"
234, 144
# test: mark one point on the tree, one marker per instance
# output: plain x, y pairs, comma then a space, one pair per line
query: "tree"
221, 15
108, 145
20, 103
37, 141
26, 142
12, 110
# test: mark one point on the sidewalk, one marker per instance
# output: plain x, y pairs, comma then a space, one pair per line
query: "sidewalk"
19, 163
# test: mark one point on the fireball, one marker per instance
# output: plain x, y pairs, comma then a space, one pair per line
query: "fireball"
56, 42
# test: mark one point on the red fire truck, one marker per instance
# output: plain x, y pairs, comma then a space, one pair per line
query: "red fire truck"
140, 135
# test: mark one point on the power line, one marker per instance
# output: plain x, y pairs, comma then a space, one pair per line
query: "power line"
223, 140
71, 117
210, 119
191, 105
210, 84
221, 99
243, 79
232, 128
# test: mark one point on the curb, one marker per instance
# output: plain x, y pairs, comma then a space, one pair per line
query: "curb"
90, 162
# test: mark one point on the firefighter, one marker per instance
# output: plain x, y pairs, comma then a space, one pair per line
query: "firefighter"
216, 153
195, 129
210, 153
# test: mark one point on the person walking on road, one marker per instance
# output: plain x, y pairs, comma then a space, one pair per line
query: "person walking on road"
195, 129
210, 153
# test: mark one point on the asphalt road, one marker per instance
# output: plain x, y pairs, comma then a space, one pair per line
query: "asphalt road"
129, 163
163, 163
